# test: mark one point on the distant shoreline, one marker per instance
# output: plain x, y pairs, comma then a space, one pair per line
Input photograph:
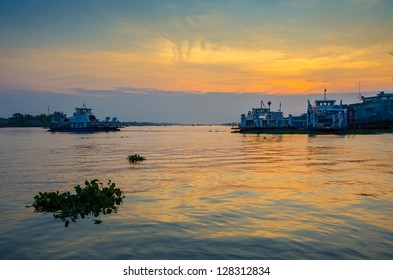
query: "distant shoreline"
129, 124
251, 131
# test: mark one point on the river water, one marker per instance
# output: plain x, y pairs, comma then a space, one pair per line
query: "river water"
203, 192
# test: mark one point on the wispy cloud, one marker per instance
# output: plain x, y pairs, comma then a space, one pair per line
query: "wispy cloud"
366, 3
127, 91
299, 3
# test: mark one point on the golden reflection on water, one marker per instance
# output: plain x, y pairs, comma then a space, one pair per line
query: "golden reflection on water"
255, 185
203, 183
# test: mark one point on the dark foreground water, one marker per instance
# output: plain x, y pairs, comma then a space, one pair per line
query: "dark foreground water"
202, 193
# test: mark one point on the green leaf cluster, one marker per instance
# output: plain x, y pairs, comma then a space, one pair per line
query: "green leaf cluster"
93, 199
135, 158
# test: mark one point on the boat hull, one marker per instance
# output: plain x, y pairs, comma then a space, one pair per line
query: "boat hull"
84, 129
289, 130
267, 129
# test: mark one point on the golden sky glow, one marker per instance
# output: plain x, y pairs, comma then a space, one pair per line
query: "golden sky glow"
186, 49
275, 47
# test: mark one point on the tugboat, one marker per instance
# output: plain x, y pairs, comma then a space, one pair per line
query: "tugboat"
83, 120
325, 115
264, 119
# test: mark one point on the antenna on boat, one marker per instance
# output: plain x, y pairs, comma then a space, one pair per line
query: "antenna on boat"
359, 89
262, 104
324, 95
269, 103
360, 95
279, 108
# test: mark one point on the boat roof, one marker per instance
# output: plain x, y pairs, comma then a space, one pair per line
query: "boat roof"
325, 100
83, 110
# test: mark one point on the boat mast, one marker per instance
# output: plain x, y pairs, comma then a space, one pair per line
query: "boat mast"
360, 95
359, 89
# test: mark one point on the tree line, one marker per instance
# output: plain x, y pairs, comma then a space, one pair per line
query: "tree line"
27, 120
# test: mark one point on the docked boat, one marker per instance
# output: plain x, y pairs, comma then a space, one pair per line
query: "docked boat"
263, 118
325, 115
83, 120
372, 113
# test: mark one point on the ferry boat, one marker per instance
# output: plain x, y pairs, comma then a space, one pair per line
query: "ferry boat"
263, 118
83, 120
372, 113
326, 115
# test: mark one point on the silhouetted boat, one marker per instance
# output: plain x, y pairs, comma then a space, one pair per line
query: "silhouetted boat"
83, 120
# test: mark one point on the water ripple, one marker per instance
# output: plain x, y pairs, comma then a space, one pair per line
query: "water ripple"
202, 193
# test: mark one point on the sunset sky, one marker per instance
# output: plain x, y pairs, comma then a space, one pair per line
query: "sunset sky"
108, 52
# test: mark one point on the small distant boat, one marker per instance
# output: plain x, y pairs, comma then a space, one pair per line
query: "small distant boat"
325, 115
263, 118
83, 120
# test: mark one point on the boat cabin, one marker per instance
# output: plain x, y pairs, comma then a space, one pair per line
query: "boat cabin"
326, 115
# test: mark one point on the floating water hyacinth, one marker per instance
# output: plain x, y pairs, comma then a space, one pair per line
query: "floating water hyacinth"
91, 200
135, 158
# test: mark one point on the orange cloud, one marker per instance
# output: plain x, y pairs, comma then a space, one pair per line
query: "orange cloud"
200, 66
